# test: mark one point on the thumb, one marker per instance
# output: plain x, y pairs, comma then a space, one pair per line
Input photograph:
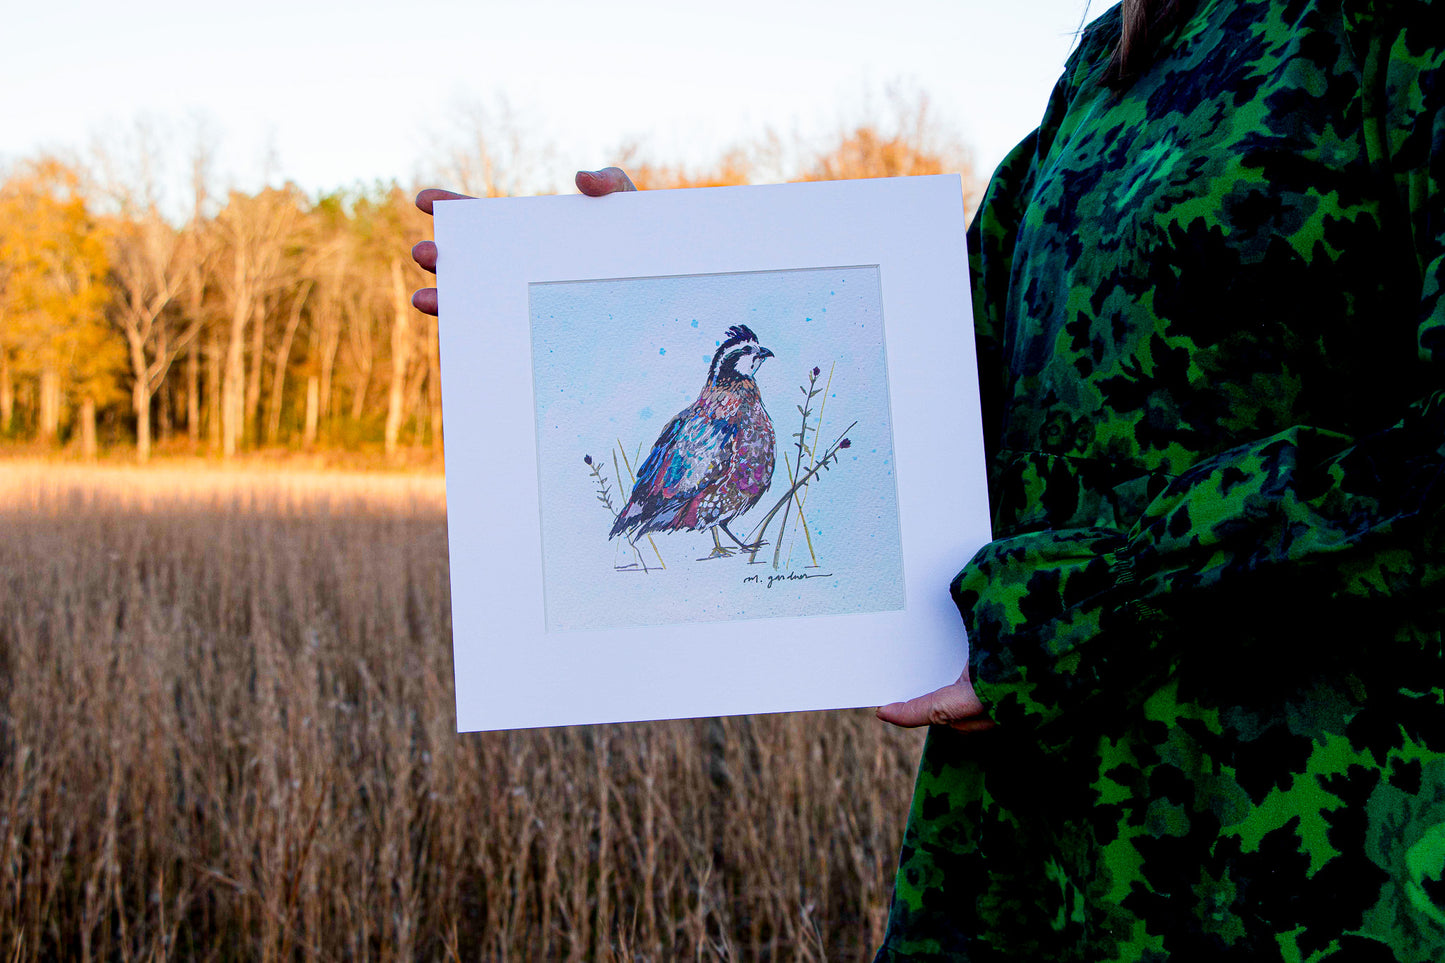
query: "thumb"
955, 705
609, 180
425, 199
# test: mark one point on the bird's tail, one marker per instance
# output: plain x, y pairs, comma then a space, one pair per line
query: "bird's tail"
662, 515
630, 517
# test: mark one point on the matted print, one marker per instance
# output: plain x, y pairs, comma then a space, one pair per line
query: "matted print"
709, 451
715, 447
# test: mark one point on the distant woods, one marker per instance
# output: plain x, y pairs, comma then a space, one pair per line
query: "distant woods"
281, 321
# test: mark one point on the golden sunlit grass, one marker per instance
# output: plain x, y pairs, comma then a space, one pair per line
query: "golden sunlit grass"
226, 732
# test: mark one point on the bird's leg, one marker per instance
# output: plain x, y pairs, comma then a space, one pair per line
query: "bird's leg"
632, 566
718, 551
741, 544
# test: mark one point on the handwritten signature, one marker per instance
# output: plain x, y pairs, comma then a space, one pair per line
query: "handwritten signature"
786, 577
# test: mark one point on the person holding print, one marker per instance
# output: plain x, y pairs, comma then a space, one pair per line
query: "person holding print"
1204, 711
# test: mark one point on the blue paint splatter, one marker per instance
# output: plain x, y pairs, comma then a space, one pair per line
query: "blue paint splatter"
694, 322
645, 414
662, 351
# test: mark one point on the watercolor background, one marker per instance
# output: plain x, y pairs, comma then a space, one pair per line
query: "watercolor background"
618, 359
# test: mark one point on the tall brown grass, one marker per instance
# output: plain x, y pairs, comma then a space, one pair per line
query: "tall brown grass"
227, 732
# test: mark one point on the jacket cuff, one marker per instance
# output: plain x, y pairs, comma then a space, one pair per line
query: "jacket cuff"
1091, 657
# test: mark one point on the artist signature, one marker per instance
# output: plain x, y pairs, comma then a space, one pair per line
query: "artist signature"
785, 577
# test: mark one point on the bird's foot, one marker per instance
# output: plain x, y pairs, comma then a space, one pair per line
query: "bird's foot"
718, 552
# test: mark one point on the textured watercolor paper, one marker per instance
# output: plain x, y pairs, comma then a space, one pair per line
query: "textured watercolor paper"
708, 451
615, 361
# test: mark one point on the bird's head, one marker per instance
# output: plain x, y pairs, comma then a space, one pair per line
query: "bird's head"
737, 357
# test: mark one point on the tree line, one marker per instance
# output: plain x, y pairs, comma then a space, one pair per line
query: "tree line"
276, 319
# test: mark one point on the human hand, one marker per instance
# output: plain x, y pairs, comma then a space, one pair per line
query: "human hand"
955, 705
609, 180
424, 253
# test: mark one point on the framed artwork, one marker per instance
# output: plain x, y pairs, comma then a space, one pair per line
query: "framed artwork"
709, 451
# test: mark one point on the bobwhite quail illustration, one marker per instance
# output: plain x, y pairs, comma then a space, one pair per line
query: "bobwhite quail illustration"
714, 460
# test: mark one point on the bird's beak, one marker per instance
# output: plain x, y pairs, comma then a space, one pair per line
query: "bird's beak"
763, 353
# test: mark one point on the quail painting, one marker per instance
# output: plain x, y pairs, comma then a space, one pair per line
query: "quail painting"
714, 460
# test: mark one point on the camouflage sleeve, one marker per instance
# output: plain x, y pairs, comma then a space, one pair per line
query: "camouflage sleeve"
1067, 624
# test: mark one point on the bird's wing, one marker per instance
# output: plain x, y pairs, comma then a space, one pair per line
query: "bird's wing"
689, 455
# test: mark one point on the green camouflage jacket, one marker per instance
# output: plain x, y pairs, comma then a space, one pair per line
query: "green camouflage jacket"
1212, 334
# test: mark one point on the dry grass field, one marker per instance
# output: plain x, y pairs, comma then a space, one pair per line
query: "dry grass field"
227, 733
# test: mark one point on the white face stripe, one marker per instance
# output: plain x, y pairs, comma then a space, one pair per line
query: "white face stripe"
743, 359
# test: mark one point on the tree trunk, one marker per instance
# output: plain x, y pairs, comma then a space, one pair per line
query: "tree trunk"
233, 392
330, 344
358, 400
253, 377
49, 405
400, 356
87, 428
283, 355
140, 398
166, 410
193, 393
233, 399
434, 383
140, 394
233, 389
160, 386
215, 393
359, 335
7, 394
313, 409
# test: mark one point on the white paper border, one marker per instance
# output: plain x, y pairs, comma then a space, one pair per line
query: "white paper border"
511, 673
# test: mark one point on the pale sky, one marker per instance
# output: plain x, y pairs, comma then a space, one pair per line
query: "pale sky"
331, 95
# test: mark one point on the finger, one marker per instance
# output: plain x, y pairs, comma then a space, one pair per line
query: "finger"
952, 704
425, 254
425, 198
609, 180
425, 301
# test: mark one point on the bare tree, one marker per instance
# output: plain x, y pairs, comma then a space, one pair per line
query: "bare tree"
257, 230
905, 139
7, 377
401, 354
361, 348
325, 340
491, 152
283, 358
737, 165
148, 271
148, 265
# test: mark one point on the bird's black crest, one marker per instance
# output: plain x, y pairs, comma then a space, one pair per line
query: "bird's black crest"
739, 332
